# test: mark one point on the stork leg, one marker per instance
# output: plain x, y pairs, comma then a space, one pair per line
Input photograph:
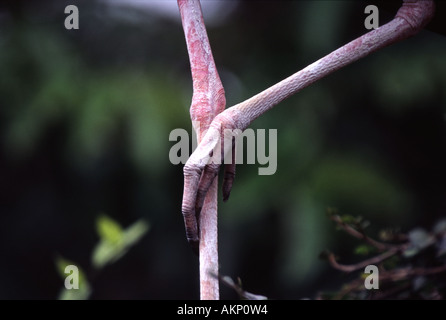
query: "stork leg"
410, 19
208, 100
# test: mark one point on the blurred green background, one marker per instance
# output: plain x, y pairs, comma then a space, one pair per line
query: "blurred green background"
85, 117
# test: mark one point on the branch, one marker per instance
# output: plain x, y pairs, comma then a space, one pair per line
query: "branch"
404, 273
350, 268
362, 236
391, 276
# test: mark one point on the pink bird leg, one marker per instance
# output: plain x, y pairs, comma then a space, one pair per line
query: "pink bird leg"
208, 100
199, 171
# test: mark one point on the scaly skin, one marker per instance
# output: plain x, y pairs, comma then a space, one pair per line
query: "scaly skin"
208, 100
199, 172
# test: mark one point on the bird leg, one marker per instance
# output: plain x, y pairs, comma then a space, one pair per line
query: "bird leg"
199, 171
208, 100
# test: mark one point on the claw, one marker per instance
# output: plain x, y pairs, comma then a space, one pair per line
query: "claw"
229, 176
191, 177
198, 177
209, 173
228, 180
200, 171
227, 183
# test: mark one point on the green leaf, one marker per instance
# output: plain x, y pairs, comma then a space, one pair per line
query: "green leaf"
364, 249
108, 229
135, 232
107, 252
349, 219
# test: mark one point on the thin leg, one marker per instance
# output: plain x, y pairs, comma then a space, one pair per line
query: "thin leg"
410, 19
208, 100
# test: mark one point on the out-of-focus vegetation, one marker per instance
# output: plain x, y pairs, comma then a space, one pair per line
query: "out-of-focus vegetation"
114, 243
406, 266
398, 266
85, 117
